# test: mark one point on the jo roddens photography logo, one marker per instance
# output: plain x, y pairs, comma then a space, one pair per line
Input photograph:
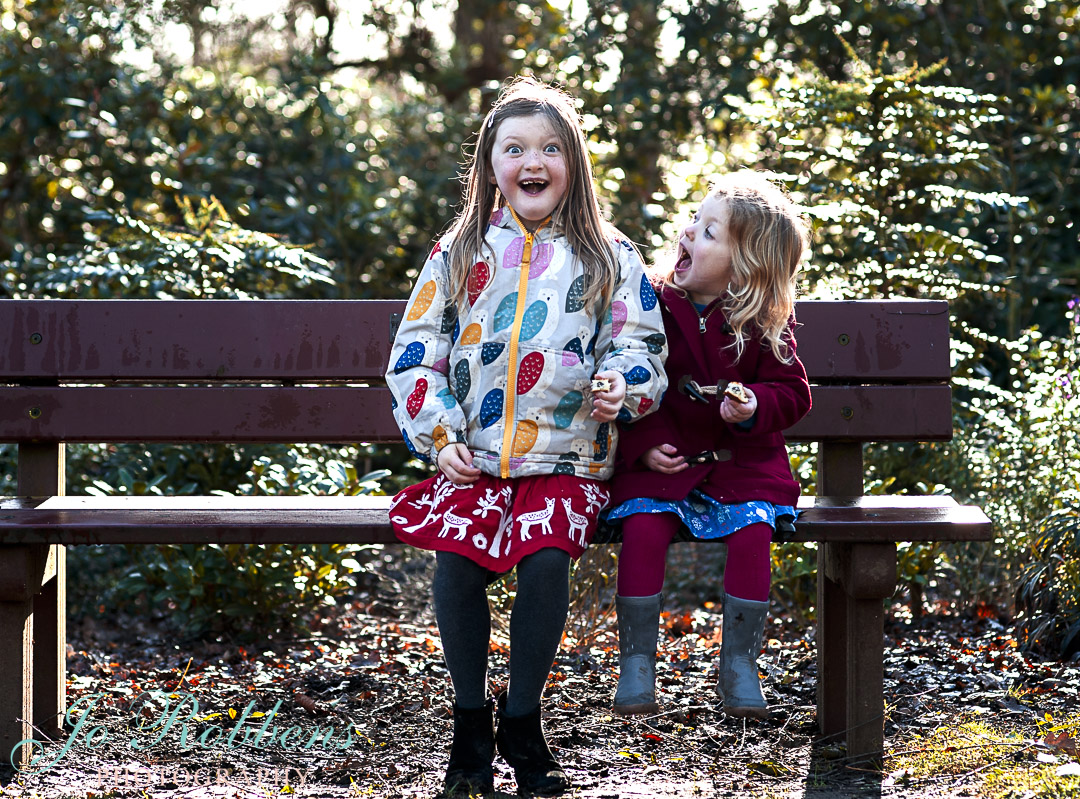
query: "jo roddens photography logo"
160, 718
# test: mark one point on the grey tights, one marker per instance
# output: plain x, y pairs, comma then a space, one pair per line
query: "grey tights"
536, 625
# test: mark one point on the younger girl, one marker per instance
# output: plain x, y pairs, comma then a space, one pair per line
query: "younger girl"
707, 463
527, 299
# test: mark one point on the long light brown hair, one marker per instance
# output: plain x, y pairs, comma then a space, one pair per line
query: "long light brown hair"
768, 237
577, 215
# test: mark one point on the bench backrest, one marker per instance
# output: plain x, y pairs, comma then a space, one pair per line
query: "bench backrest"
311, 371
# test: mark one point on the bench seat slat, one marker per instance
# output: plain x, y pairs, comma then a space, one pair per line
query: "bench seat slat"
310, 520
80, 414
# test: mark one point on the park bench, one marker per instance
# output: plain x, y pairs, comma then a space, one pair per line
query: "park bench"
311, 371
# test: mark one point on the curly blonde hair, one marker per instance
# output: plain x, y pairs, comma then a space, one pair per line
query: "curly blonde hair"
768, 237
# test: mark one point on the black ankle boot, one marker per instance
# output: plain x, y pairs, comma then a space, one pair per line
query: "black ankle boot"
471, 753
521, 743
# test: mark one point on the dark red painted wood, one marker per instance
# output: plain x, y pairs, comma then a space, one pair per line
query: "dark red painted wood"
198, 413
320, 520
196, 339
352, 414
893, 340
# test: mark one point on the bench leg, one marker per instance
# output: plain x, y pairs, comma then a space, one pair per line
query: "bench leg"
23, 570
866, 681
50, 645
853, 582
831, 650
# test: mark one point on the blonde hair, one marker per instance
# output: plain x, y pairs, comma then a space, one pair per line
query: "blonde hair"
768, 237
577, 215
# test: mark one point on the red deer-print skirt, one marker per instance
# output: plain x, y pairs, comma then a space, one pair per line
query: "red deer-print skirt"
496, 522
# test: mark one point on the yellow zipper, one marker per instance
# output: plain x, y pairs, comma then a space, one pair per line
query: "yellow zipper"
515, 334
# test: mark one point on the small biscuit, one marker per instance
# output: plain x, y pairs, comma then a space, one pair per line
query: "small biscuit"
600, 384
737, 392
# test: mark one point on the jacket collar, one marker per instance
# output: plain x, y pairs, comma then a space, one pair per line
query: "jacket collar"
687, 318
502, 218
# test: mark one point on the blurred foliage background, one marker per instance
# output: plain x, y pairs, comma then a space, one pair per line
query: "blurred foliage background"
312, 148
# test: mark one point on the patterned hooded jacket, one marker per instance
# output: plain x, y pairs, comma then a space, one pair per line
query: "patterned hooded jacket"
508, 372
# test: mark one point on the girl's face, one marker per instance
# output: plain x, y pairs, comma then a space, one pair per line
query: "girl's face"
528, 164
703, 268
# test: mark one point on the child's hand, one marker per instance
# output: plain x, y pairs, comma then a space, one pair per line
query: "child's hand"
455, 461
607, 404
663, 459
734, 412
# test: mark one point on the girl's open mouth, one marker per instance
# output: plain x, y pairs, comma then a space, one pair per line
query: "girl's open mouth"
533, 187
683, 262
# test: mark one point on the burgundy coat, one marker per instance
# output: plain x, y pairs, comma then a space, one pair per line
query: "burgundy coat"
753, 463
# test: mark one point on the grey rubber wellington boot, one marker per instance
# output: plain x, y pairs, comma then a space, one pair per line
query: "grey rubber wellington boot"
639, 623
740, 683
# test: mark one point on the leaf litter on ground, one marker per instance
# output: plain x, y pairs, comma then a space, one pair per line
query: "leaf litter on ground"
367, 699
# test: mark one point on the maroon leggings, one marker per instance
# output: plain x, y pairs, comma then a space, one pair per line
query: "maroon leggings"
646, 537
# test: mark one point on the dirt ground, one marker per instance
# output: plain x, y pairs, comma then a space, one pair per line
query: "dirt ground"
361, 708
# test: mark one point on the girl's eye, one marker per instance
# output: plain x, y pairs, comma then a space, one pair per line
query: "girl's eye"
513, 149
708, 233
551, 148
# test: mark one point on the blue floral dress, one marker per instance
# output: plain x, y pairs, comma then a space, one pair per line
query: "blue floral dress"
704, 518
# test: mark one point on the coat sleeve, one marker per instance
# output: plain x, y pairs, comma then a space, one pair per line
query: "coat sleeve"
631, 337
782, 391
417, 375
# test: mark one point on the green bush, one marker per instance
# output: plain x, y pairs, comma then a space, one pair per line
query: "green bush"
240, 590
1049, 594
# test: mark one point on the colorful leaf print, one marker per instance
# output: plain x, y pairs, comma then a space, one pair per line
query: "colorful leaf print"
439, 437
462, 379
472, 335
618, 317
572, 353
442, 366
513, 253
644, 405
637, 375
532, 322
567, 409
504, 314
490, 351
524, 437
491, 408
575, 297
532, 366
415, 400
449, 319
648, 294
540, 259
479, 277
446, 396
655, 342
412, 356
422, 301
